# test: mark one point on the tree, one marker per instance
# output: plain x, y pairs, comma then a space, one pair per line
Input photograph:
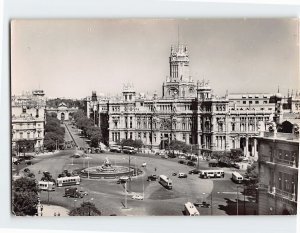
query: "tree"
179, 145
134, 143
54, 133
47, 177
236, 154
85, 209
25, 146
25, 196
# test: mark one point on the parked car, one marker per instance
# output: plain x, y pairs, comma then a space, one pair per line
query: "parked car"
181, 162
84, 193
174, 174
137, 197
182, 175
203, 204
152, 178
115, 149
194, 171
144, 164
181, 157
235, 165
73, 192
190, 163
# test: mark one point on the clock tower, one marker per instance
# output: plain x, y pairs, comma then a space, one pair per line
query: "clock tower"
179, 83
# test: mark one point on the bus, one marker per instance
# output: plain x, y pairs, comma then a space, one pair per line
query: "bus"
237, 177
47, 185
211, 174
190, 209
165, 181
65, 181
129, 150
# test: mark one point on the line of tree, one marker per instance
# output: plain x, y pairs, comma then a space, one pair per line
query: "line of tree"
88, 128
54, 132
24, 196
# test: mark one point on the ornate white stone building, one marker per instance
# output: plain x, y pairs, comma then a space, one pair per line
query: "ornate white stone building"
28, 118
187, 111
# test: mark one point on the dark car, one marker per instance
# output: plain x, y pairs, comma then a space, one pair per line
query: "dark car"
152, 178
182, 175
203, 204
194, 171
28, 163
235, 166
181, 161
190, 163
174, 174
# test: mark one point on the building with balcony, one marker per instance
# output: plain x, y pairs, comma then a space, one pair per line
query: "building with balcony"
188, 111
28, 119
278, 162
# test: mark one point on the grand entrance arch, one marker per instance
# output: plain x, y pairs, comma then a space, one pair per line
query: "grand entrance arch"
62, 111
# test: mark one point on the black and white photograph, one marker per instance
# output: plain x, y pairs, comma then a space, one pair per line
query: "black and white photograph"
154, 117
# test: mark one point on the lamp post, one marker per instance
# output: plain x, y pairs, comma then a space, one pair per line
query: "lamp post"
75, 203
90, 206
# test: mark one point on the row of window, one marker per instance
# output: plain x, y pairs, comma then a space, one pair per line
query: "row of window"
254, 102
21, 135
25, 126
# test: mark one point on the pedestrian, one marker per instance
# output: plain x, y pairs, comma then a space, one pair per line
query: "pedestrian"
58, 214
54, 213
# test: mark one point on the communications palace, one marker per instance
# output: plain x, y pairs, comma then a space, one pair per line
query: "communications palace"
188, 111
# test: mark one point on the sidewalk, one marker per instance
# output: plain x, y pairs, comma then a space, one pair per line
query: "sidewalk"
52, 210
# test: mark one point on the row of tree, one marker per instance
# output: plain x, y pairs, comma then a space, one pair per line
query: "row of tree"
54, 133
88, 128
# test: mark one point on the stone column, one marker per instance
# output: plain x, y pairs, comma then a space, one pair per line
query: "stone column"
255, 149
247, 147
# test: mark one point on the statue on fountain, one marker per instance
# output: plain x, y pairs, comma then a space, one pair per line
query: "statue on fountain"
107, 163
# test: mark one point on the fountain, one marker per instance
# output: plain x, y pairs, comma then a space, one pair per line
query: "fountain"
106, 170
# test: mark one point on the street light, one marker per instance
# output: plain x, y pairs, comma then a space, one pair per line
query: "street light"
90, 206
75, 203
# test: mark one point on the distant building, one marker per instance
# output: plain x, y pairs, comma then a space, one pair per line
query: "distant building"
28, 118
278, 163
187, 111
62, 111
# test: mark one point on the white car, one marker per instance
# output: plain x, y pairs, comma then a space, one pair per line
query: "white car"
144, 164
137, 197
181, 157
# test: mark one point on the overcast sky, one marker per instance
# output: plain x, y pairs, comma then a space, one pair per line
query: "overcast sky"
71, 58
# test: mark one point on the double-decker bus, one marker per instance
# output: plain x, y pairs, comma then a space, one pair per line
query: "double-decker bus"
65, 181
237, 177
211, 174
190, 209
165, 181
129, 150
47, 185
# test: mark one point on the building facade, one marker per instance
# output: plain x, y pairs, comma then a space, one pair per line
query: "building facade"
188, 111
278, 173
28, 119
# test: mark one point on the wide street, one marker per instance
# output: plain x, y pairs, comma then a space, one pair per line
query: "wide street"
109, 197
